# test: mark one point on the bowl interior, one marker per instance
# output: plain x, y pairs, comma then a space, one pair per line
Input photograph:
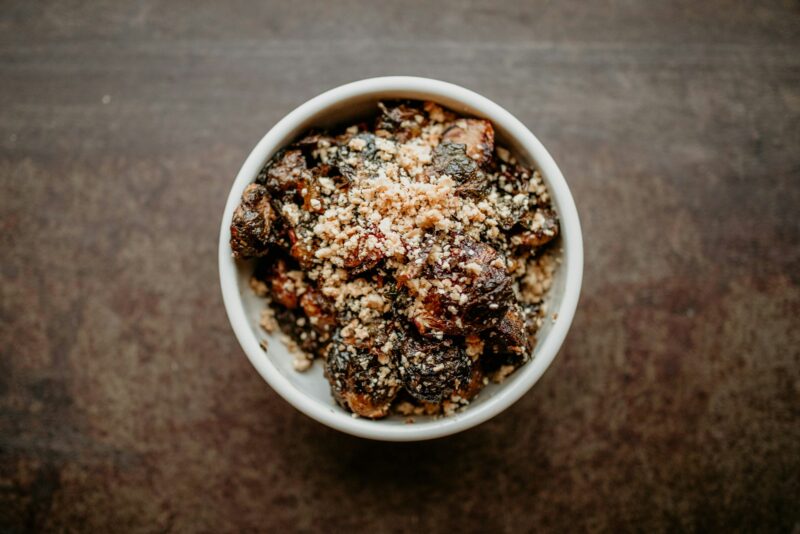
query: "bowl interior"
311, 384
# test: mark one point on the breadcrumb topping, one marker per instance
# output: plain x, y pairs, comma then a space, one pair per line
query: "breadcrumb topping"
408, 222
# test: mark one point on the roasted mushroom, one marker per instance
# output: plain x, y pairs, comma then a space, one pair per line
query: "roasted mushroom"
509, 212
538, 228
510, 343
452, 159
364, 379
366, 254
433, 370
286, 175
466, 289
417, 259
303, 245
251, 226
355, 153
509, 335
476, 134
400, 120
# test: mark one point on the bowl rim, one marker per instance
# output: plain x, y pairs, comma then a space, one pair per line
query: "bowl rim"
572, 260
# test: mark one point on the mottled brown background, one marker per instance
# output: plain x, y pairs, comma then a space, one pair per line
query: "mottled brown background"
126, 403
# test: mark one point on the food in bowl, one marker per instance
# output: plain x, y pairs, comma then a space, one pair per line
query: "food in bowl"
409, 252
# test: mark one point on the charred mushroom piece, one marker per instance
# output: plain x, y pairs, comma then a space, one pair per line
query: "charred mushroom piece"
510, 335
288, 179
355, 153
433, 370
286, 175
514, 198
417, 257
452, 159
476, 134
514, 177
399, 120
303, 245
540, 227
475, 189
251, 226
510, 344
363, 378
296, 200
509, 212
366, 254
470, 289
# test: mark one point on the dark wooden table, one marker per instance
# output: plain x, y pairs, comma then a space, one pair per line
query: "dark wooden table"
126, 403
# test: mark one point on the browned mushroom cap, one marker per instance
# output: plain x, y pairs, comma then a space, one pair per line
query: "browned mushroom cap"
452, 159
509, 336
476, 134
366, 254
433, 370
252, 223
399, 119
417, 258
539, 228
469, 291
287, 174
363, 378
511, 342
350, 161
302, 246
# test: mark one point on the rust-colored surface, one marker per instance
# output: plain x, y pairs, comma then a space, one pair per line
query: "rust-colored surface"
126, 403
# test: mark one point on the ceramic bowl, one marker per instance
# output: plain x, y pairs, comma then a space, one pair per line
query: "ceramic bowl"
309, 392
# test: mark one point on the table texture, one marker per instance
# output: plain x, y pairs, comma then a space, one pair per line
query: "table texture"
126, 403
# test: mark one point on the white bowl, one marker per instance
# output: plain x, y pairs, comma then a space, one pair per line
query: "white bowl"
309, 392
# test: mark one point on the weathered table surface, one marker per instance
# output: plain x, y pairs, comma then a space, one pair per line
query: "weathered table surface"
127, 404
